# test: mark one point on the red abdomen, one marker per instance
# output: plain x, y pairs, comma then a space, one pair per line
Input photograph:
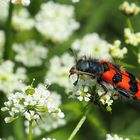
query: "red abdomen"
121, 78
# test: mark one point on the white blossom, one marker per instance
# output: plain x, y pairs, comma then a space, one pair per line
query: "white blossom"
58, 72
31, 103
23, 2
88, 89
81, 90
116, 51
129, 8
75, 1
92, 46
2, 41
56, 21
4, 6
48, 139
30, 53
115, 137
10, 80
22, 20
48, 121
131, 38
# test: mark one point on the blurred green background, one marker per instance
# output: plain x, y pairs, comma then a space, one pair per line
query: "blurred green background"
103, 17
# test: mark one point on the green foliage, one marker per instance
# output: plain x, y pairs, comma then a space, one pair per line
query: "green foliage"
99, 16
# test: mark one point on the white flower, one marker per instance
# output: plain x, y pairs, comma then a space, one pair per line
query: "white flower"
48, 139
31, 103
129, 9
21, 20
48, 121
115, 50
131, 38
10, 80
75, 1
81, 90
23, 2
30, 54
92, 46
4, 6
59, 71
56, 21
2, 41
115, 137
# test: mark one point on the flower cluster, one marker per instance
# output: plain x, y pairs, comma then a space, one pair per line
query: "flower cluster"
129, 9
30, 54
59, 70
75, 1
48, 139
92, 46
131, 38
4, 6
115, 137
2, 41
9, 78
21, 20
31, 103
57, 24
115, 50
23, 2
88, 89
81, 90
48, 122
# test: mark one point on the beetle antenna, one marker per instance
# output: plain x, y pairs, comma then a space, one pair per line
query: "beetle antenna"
70, 50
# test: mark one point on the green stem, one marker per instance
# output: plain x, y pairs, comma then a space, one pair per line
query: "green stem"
30, 131
129, 23
8, 34
82, 120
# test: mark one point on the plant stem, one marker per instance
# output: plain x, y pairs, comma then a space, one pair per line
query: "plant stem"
30, 131
82, 120
130, 25
8, 34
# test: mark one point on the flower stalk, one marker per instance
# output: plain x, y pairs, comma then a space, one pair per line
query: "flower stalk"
129, 23
82, 120
30, 131
80, 123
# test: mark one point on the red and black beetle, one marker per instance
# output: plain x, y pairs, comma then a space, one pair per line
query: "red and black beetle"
122, 81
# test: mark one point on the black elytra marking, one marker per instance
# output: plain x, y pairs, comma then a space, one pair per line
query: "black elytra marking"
117, 78
133, 83
106, 67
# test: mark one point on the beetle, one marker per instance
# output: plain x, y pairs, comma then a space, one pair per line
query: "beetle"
104, 71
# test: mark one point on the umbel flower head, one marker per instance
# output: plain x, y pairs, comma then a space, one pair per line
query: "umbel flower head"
11, 80
129, 9
59, 74
131, 38
31, 103
48, 121
4, 5
23, 2
22, 20
56, 21
116, 51
97, 48
30, 53
88, 90
114, 137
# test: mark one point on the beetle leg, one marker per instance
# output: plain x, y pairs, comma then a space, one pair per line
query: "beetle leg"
122, 91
